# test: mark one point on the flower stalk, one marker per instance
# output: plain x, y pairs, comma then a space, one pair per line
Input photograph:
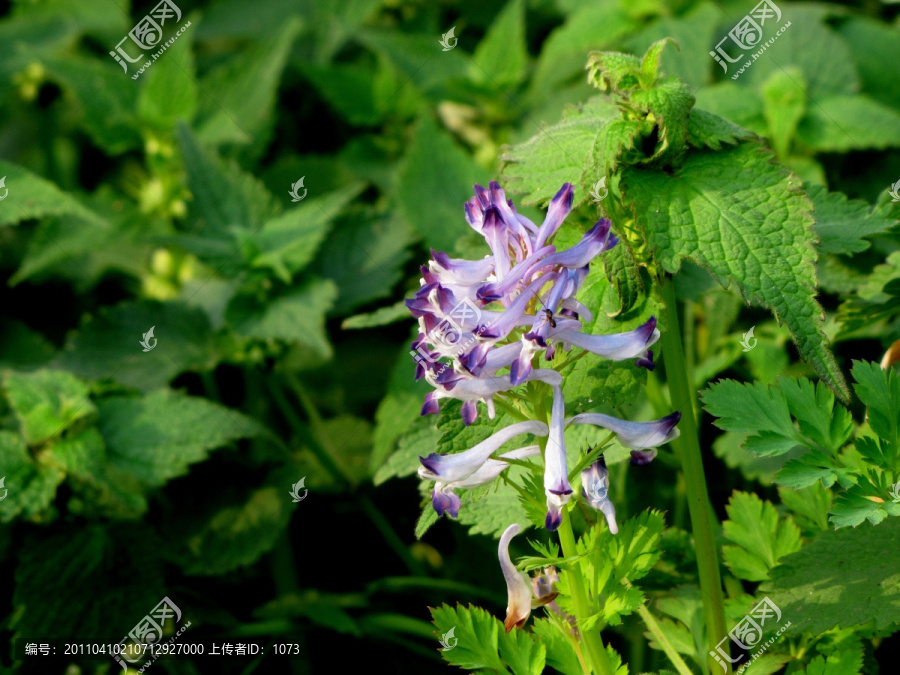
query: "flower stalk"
682, 395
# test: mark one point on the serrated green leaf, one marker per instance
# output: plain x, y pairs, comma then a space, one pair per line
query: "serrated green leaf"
761, 537
109, 344
706, 129
806, 470
818, 418
169, 89
670, 103
561, 655
477, 634
615, 139
405, 461
30, 196
435, 182
237, 535
843, 578
427, 518
501, 57
490, 510
844, 662
843, 224
809, 506
745, 219
58, 571
28, 486
287, 243
748, 406
855, 505
842, 123
880, 390
46, 403
557, 154
157, 437
522, 653
784, 104
296, 315
245, 86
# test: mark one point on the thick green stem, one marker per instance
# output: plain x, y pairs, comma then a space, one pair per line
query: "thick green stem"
682, 394
590, 638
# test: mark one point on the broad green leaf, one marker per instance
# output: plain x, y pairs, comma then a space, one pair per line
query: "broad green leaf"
844, 578
748, 406
669, 104
46, 403
158, 436
810, 46
491, 510
29, 196
557, 154
296, 315
706, 129
287, 243
245, 88
477, 636
434, 184
106, 100
223, 195
169, 90
501, 57
411, 445
804, 471
809, 506
745, 219
108, 345
237, 535
880, 391
27, 486
842, 123
873, 44
364, 257
522, 653
817, 416
22, 348
784, 103
843, 224
856, 504
419, 58
615, 139
58, 572
761, 537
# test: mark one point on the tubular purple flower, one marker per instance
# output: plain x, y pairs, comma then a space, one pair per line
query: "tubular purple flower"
450, 468
615, 347
496, 234
501, 327
560, 206
595, 488
521, 273
594, 242
556, 473
518, 588
642, 437
460, 271
504, 207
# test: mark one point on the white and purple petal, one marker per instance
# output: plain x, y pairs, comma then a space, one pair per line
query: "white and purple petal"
615, 347
638, 436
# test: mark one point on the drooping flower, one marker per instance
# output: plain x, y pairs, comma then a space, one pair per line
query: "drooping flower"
642, 437
595, 489
518, 588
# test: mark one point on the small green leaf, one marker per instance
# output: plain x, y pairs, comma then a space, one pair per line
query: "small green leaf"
28, 487
561, 655
761, 537
706, 129
501, 57
843, 224
169, 90
880, 390
522, 653
47, 402
477, 636
844, 662
784, 104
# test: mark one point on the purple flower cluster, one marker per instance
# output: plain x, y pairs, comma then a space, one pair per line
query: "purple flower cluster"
492, 317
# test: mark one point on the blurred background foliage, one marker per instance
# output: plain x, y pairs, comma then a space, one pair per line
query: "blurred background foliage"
164, 202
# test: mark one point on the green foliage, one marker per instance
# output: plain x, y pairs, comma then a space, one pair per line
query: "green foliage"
761, 538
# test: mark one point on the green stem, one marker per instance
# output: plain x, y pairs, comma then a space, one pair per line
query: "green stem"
682, 394
656, 631
590, 638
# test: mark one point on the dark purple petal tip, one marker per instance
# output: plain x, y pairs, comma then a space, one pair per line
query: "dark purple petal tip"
553, 520
445, 503
431, 462
642, 457
469, 412
430, 405
646, 361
